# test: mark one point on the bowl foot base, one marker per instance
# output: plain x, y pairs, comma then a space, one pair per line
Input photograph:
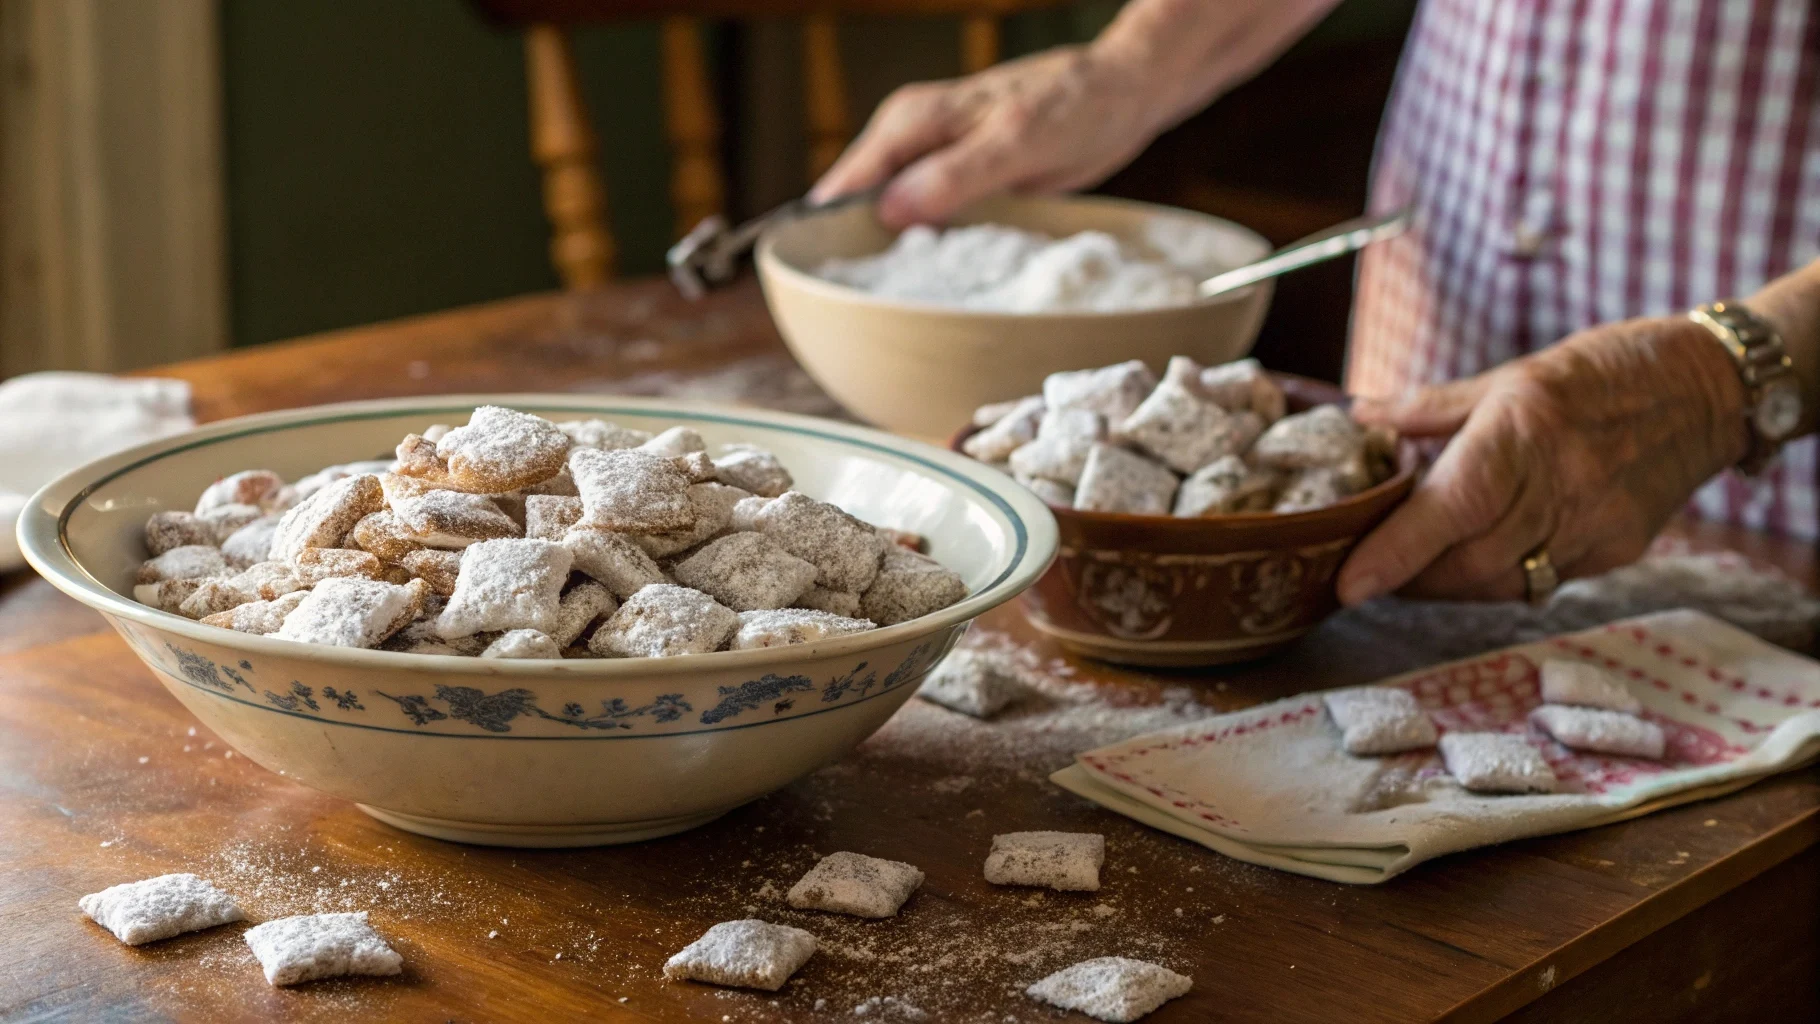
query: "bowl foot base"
483, 833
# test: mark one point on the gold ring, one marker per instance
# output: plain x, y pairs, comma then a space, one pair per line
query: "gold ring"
1539, 577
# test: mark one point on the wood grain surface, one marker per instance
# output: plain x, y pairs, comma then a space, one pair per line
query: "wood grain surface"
1705, 912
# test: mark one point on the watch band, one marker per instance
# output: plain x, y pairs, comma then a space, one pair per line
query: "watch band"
1766, 372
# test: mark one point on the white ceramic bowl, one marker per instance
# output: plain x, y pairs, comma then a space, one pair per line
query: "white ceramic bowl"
536, 753
920, 368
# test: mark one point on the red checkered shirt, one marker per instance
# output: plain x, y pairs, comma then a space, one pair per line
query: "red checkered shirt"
1575, 162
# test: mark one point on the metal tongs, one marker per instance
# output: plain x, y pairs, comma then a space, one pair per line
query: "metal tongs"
708, 256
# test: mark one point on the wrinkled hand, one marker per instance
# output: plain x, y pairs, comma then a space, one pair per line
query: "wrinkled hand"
1585, 449
1059, 120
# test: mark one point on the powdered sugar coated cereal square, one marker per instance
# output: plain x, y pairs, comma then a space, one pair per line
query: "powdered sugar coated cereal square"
853, 883
1496, 762
1112, 391
1185, 431
1225, 486
158, 908
613, 559
258, 617
713, 505
1111, 988
996, 442
744, 954
1601, 732
322, 519
437, 568
754, 470
502, 449
844, 550
312, 946
976, 683
631, 491
257, 487
345, 612
1322, 436
584, 603
1065, 861
1377, 720
746, 572
674, 442
1586, 685
189, 562
523, 644
1116, 480
173, 528
834, 602
549, 516
665, 621
909, 586
253, 542
1242, 386
782, 627
507, 584
602, 435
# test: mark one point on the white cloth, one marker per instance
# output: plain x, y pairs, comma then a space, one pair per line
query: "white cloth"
50, 423
1270, 784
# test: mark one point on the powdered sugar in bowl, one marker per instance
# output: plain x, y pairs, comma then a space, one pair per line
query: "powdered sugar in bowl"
539, 752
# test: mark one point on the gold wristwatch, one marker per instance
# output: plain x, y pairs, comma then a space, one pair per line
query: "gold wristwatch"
1772, 393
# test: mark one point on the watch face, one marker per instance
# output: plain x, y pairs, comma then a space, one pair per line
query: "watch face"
1779, 411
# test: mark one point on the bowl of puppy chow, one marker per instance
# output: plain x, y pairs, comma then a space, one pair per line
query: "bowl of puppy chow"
1203, 514
539, 620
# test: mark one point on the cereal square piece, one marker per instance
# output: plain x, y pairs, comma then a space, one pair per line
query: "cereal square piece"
746, 572
345, 612
1496, 762
853, 883
266, 581
166, 595
1111, 988
1050, 491
744, 954
1598, 731
580, 607
258, 617
189, 562
1185, 431
251, 543
1060, 450
173, 528
416, 457
613, 559
215, 594
562, 485
996, 442
782, 627
549, 516
990, 413
311, 946
631, 491
602, 435
256, 487
834, 602
1116, 480
507, 584
420, 637
674, 442
437, 517
322, 519
1314, 488
1065, 861
1226, 486
1322, 436
975, 683
437, 568
910, 586
665, 621
844, 550
713, 504
1243, 386
1586, 685
313, 565
307, 486
224, 521
1112, 391
697, 466
501, 450
1377, 720
525, 644
752, 469
382, 534
744, 517
158, 908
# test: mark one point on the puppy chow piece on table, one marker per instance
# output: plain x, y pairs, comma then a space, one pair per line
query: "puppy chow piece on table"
343, 612
631, 491
844, 550
753, 469
996, 442
1185, 431
781, 627
326, 516
1224, 487
834, 602
1598, 731
523, 644
746, 572
501, 450
665, 621
436, 567
675, 441
549, 516
1112, 391
1116, 480
853, 883
189, 562
258, 617
1064, 861
171, 529
313, 565
743, 954
580, 607
158, 908
1496, 762
612, 559
713, 506
1243, 385
507, 584
909, 586
1376, 720
312, 946
1586, 685
251, 543
976, 683
1322, 436
601, 435
1111, 988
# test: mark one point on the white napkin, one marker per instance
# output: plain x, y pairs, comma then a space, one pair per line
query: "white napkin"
50, 423
1270, 784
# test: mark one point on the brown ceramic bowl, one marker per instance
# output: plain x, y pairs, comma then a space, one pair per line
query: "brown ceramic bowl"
1157, 590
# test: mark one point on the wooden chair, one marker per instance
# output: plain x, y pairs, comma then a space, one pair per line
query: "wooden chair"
563, 142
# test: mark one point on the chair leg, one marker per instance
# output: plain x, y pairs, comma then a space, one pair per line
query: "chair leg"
563, 145
979, 43
697, 184
824, 93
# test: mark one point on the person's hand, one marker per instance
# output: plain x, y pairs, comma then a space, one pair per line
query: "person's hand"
1584, 449
1056, 121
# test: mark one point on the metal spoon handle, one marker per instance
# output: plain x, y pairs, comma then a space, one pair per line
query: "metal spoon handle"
1344, 237
709, 254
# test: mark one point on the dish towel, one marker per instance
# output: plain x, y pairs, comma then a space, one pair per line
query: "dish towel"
50, 423
1270, 784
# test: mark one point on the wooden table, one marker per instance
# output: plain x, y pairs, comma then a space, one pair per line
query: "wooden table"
1710, 911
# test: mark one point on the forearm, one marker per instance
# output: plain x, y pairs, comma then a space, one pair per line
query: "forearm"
1191, 51
1792, 303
